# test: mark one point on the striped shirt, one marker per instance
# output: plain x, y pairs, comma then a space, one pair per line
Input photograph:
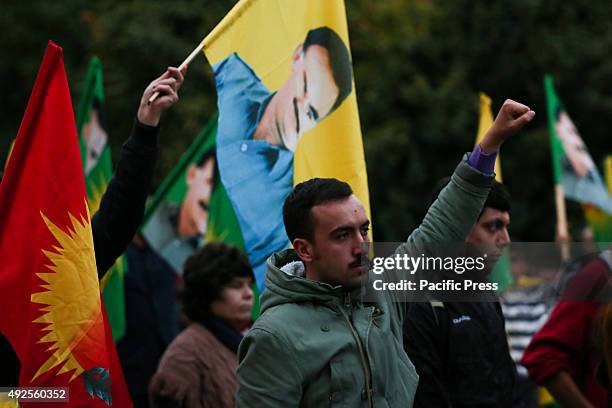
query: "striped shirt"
525, 310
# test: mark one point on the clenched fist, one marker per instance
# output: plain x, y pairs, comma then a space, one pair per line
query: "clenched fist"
510, 119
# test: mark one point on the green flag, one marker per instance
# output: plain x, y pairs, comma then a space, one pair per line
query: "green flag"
191, 206
196, 201
98, 169
573, 167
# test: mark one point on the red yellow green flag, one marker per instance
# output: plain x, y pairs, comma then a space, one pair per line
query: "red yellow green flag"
48, 278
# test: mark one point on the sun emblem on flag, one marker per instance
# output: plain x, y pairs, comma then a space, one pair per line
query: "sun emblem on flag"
72, 312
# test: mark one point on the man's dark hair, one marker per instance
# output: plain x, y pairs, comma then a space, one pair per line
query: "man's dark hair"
206, 272
296, 210
339, 60
498, 198
207, 155
99, 106
559, 109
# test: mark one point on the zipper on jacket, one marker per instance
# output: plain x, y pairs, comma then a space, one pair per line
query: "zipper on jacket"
363, 357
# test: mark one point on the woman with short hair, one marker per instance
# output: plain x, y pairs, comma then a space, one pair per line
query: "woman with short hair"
198, 370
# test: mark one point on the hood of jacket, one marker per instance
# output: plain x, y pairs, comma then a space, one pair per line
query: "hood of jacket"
285, 282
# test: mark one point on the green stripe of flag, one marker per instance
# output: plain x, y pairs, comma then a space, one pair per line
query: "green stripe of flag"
98, 169
222, 223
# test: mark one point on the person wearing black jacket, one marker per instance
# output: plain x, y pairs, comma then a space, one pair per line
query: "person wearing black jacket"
460, 349
122, 205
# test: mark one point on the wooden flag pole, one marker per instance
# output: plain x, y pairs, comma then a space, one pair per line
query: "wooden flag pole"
562, 232
183, 65
227, 21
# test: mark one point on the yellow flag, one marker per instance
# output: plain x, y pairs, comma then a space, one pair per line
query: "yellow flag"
287, 110
485, 123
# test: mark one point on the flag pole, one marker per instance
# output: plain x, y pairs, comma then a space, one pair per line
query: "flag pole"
227, 21
183, 65
562, 231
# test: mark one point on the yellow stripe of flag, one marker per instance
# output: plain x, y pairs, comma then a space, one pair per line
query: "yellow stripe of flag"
485, 123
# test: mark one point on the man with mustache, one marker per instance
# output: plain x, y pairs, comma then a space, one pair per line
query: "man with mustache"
316, 343
175, 232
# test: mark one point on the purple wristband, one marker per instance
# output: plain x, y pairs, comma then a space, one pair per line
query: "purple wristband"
485, 163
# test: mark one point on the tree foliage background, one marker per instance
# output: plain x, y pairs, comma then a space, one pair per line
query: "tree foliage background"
419, 65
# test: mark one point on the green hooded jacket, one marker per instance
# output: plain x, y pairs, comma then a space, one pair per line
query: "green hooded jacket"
316, 345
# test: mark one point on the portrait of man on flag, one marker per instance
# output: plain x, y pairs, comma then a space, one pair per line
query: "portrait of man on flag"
95, 136
259, 131
179, 223
320, 80
577, 159
98, 170
573, 167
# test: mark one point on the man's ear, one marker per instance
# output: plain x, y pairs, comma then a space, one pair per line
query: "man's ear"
303, 249
191, 173
297, 53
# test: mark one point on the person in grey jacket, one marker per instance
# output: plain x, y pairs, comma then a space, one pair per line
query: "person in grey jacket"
315, 343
